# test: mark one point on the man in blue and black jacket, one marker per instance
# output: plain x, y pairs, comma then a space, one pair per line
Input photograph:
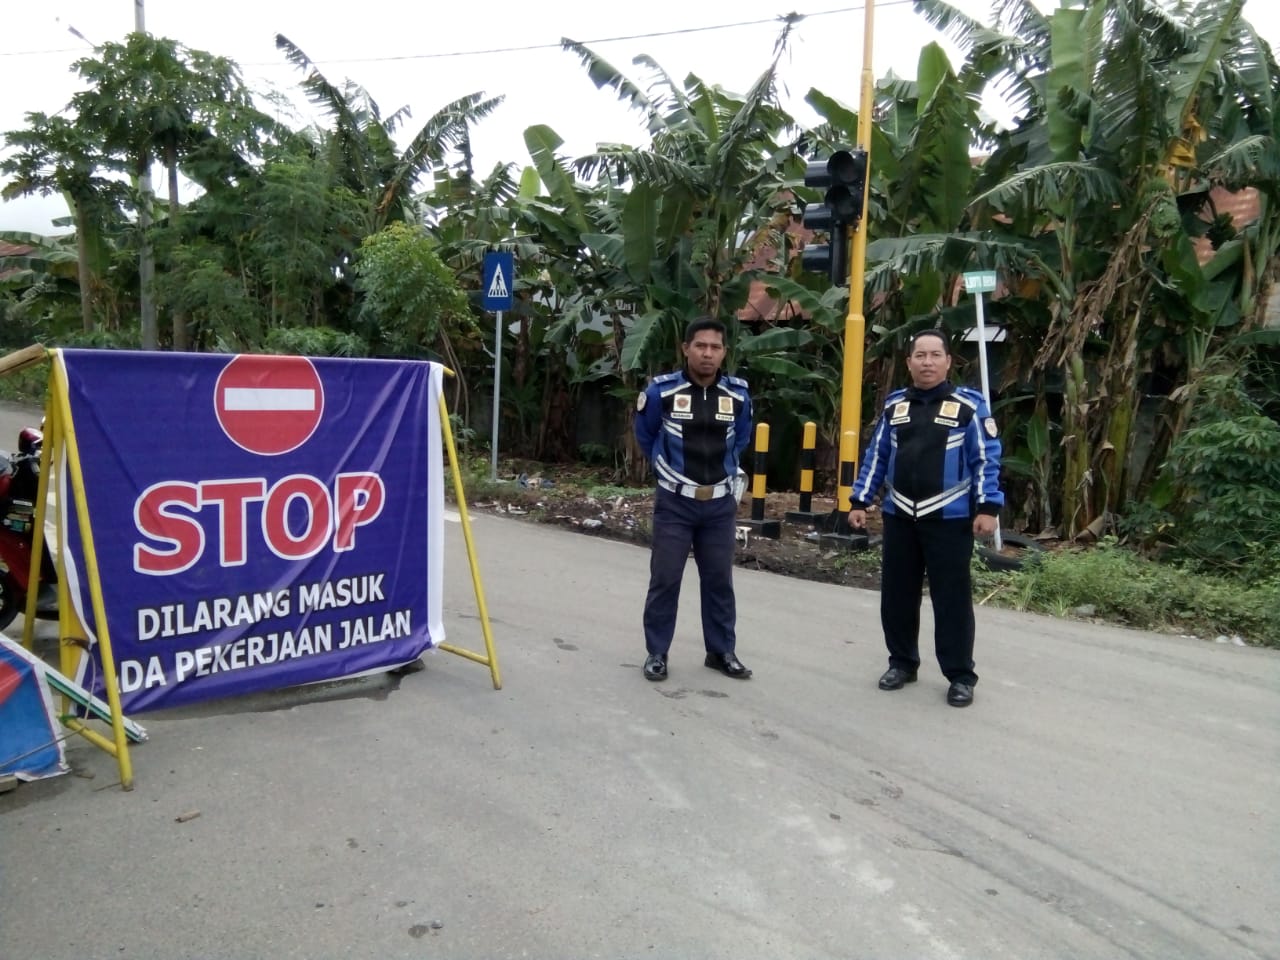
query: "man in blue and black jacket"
936, 452
693, 425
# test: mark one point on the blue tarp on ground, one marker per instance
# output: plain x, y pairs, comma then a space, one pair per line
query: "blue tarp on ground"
30, 747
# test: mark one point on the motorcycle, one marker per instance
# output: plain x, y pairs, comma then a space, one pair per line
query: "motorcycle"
19, 486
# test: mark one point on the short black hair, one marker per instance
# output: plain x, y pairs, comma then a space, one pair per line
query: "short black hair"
946, 343
699, 324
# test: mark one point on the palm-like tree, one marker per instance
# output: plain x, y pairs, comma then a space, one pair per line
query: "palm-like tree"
55, 155
151, 97
361, 145
684, 212
1090, 204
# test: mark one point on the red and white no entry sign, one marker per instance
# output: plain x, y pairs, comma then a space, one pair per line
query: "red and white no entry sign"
268, 405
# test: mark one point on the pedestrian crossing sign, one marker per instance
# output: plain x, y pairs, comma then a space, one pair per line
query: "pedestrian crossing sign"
498, 280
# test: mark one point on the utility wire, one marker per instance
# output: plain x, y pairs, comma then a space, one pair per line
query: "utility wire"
784, 18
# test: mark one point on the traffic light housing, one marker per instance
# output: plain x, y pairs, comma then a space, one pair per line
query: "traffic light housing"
843, 180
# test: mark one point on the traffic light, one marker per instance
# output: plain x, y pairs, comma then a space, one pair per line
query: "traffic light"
843, 180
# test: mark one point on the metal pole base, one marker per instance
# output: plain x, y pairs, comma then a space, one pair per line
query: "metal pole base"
763, 528
836, 532
845, 541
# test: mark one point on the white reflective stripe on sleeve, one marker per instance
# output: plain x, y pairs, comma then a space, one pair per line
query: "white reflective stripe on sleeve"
862, 494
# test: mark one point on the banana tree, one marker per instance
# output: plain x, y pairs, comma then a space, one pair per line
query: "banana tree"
40, 274
54, 155
1087, 187
662, 231
697, 196
362, 148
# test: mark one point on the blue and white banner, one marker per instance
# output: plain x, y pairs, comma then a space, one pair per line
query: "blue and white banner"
30, 743
258, 521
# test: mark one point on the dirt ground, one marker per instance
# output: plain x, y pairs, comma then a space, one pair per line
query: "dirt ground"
798, 550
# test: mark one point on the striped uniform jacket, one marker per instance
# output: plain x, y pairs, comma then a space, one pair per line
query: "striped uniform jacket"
693, 434
936, 453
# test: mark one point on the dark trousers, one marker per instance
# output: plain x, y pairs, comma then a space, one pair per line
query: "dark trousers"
708, 526
942, 549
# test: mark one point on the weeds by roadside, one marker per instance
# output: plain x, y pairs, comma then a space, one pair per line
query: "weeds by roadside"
1112, 583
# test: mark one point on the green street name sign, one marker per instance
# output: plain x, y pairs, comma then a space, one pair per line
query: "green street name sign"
981, 281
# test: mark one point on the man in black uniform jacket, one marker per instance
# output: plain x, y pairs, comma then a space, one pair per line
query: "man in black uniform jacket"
693, 425
936, 452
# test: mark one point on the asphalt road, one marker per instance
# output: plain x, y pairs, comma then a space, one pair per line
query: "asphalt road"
1111, 793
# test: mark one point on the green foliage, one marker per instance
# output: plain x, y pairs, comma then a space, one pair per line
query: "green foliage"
464, 437
595, 453
1222, 501
314, 342
305, 233
411, 299
99, 339
222, 315
1122, 586
25, 386
612, 492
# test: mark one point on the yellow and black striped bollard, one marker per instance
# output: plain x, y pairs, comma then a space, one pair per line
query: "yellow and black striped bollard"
759, 472
806, 513
839, 533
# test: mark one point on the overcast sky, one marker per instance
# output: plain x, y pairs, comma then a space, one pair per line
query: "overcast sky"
426, 55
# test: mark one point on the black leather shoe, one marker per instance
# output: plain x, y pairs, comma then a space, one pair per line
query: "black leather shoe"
728, 664
895, 678
960, 694
655, 667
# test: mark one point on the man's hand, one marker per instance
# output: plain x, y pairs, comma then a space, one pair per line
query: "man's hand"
984, 525
858, 519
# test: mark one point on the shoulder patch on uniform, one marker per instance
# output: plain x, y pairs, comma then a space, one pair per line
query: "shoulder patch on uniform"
735, 381
989, 425
895, 396
642, 400
666, 377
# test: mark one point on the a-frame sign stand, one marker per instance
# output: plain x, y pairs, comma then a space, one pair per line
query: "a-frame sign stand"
490, 657
60, 453
60, 458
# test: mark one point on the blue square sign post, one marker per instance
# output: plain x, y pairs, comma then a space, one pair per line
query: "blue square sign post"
499, 280
498, 283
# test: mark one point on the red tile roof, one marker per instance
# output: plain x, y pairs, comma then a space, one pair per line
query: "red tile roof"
1244, 206
13, 250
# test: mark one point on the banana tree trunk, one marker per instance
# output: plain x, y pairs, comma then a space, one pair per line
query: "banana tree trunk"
146, 258
83, 276
1077, 484
635, 468
1112, 469
180, 340
1041, 451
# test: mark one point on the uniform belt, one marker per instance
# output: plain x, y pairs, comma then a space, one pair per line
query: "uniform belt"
712, 491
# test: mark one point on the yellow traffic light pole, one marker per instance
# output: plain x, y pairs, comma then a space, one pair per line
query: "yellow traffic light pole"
855, 324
